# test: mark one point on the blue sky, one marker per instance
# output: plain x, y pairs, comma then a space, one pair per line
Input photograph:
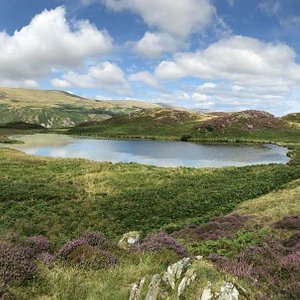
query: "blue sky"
208, 55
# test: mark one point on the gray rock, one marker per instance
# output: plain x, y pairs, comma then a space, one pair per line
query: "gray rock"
129, 239
190, 276
136, 289
153, 289
174, 272
207, 293
228, 292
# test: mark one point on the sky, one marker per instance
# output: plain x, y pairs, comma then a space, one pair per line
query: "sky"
206, 55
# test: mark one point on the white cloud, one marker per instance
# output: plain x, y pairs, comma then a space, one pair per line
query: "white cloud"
28, 83
49, 42
171, 22
107, 76
239, 59
60, 83
146, 78
155, 44
177, 17
270, 7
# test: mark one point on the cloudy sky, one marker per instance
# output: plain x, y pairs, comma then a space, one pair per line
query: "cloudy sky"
210, 55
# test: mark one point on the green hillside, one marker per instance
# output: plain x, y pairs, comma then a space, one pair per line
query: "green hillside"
56, 109
163, 123
154, 123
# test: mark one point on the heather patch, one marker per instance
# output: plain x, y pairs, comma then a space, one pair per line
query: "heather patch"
162, 241
273, 266
16, 263
88, 251
217, 227
88, 238
38, 244
289, 223
89, 257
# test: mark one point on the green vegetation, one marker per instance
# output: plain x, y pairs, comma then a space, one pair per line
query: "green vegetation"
295, 117
56, 109
53, 196
183, 125
160, 123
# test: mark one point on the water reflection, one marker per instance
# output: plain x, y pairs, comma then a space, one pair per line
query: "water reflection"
159, 153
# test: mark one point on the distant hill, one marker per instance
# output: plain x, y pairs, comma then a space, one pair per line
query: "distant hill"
244, 121
294, 118
157, 122
57, 109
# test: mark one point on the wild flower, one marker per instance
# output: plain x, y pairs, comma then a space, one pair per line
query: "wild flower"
163, 241
16, 263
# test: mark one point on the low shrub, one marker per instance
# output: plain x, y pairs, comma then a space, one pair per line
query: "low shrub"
215, 228
16, 263
289, 223
160, 241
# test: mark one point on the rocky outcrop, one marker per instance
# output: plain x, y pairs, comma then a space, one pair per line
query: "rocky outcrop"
175, 282
129, 239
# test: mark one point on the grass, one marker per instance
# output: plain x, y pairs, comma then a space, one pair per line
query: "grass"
54, 196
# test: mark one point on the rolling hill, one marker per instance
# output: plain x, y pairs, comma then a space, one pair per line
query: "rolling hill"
57, 109
153, 123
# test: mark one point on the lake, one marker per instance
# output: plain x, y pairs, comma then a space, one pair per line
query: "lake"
158, 153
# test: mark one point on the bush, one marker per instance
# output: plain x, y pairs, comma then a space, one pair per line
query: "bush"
289, 223
160, 241
88, 257
16, 263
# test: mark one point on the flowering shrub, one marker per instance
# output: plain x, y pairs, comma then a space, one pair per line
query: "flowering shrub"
46, 258
94, 239
223, 226
69, 247
289, 222
16, 263
86, 256
89, 238
38, 243
275, 264
89, 251
163, 241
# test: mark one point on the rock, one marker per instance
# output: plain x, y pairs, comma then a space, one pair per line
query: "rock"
136, 289
190, 276
153, 289
206, 294
129, 239
228, 292
174, 272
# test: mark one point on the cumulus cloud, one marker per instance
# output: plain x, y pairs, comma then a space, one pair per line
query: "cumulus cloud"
49, 41
178, 17
106, 76
145, 77
239, 59
155, 44
171, 22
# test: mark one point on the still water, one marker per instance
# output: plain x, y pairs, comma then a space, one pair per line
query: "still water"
158, 153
